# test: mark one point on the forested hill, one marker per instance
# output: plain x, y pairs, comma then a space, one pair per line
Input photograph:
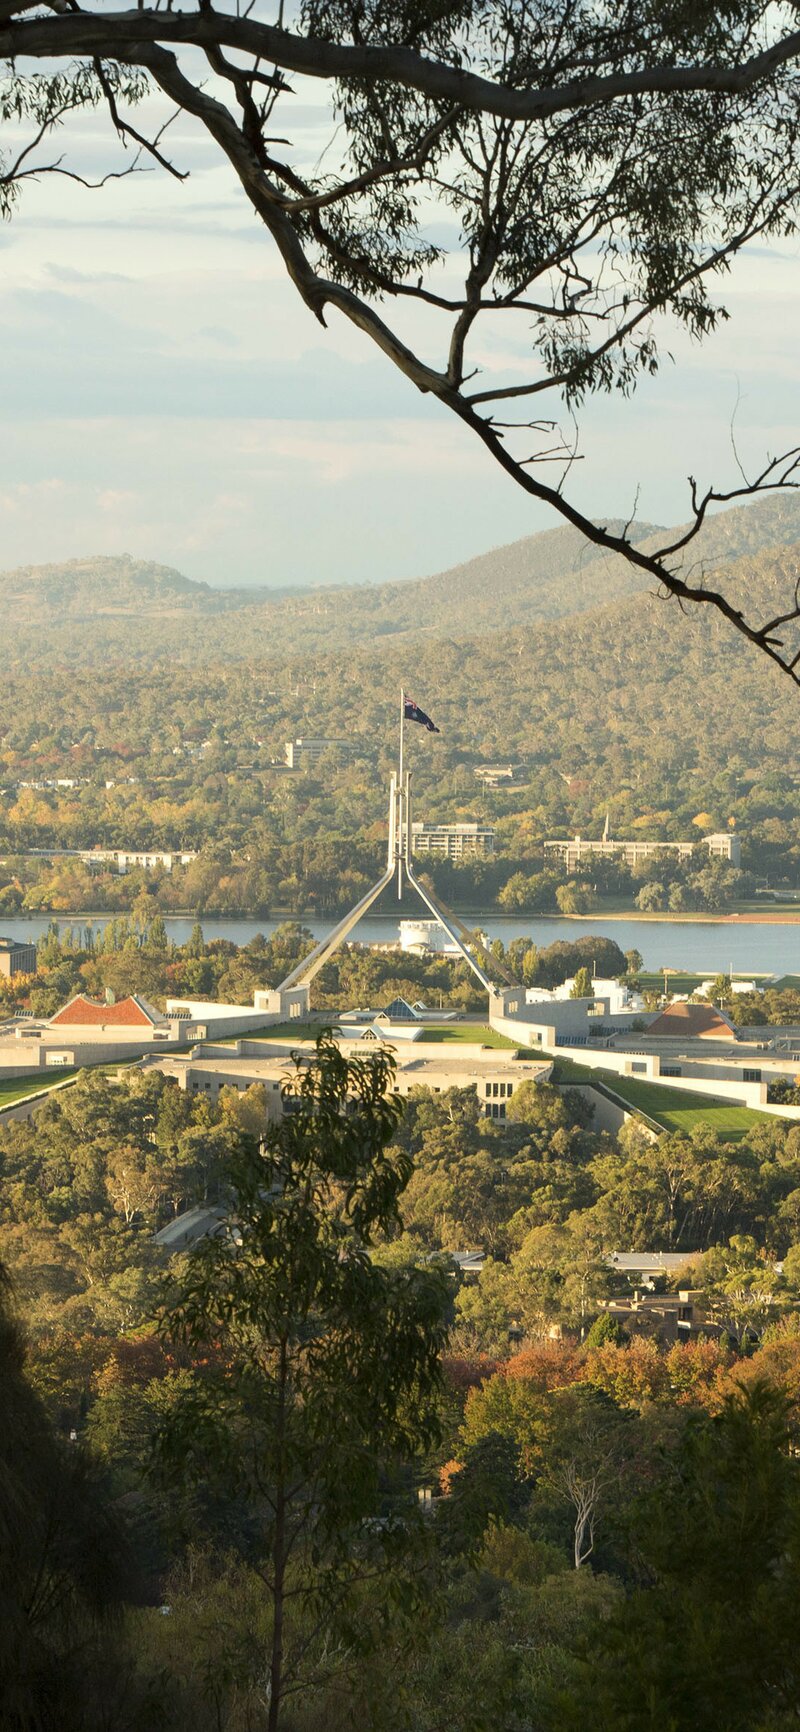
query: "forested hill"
126, 610
50, 596
638, 708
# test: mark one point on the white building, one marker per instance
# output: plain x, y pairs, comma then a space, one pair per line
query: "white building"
453, 841
304, 754
494, 1074
574, 850
615, 996
148, 859
736, 988
426, 938
492, 775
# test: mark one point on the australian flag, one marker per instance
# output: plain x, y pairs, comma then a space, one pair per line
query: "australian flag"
413, 713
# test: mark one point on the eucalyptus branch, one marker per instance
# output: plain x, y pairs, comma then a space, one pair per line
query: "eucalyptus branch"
597, 182
126, 130
113, 34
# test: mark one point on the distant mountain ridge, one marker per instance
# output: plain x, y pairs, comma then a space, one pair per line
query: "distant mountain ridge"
141, 612
99, 585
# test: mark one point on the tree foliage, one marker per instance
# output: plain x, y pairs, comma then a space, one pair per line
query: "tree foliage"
330, 1362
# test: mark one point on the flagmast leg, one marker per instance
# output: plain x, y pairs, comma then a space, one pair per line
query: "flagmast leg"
402, 736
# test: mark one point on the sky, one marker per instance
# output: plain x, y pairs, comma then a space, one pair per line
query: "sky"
164, 393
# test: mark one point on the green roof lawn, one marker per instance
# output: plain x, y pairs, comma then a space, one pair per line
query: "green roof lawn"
652, 979
20, 1088
679, 1110
474, 1033
672, 1109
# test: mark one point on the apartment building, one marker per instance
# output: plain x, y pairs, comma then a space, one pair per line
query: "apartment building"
305, 754
453, 841
576, 850
17, 957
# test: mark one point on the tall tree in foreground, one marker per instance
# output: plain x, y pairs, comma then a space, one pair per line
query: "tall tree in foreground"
569, 171
330, 1365
62, 1564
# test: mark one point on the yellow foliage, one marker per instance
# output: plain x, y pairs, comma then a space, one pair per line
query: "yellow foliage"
649, 818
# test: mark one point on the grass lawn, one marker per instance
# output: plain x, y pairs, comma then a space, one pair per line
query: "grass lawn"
21, 1087
567, 1070
283, 1031
475, 1033
678, 1110
472, 1032
651, 981
673, 1109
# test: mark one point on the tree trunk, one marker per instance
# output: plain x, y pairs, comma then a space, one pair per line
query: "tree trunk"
278, 1560
276, 1660
583, 1533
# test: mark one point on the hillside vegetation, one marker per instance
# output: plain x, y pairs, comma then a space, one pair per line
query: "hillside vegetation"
170, 733
553, 575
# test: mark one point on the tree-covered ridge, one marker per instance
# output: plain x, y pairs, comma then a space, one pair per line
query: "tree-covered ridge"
674, 733
552, 575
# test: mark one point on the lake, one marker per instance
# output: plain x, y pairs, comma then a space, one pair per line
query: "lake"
707, 947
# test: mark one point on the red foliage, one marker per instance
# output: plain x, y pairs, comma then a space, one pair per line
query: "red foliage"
464, 1374
135, 1360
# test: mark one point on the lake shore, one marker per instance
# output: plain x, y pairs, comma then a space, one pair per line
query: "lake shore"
757, 918
687, 917
754, 941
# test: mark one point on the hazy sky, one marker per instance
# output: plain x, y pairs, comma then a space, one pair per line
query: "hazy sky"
165, 394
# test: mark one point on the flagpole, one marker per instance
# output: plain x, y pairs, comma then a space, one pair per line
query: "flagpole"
402, 732
401, 803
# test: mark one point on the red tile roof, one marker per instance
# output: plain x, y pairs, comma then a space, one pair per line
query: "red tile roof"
697, 1021
91, 1012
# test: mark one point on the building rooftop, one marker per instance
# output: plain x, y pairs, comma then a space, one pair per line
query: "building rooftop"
191, 1226
487, 1065
649, 1262
132, 1012
461, 1068
700, 1021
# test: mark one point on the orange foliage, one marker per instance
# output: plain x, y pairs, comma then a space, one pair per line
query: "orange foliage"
134, 1360
549, 1364
447, 1474
633, 1375
697, 1370
777, 1362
